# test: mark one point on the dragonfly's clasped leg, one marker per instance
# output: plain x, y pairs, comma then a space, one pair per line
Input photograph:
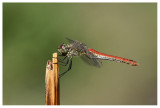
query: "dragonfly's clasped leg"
69, 68
60, 60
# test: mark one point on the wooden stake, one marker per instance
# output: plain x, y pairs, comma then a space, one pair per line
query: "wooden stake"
52, 82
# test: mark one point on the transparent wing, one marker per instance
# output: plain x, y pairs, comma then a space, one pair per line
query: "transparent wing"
92, 61
81, 47
70, 40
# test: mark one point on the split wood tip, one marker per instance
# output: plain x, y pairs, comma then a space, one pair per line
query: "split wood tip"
55, 58
54, 54
52, 96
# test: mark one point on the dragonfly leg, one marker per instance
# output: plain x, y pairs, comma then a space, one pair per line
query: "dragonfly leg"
63, 63
60, 60
69, 68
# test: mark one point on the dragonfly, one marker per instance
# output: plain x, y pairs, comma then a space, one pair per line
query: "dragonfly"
76, 48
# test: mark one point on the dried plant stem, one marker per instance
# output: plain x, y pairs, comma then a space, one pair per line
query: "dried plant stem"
52, 82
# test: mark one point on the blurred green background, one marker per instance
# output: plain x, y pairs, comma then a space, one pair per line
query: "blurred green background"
33, 31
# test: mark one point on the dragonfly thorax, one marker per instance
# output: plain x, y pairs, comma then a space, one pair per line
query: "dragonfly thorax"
68, 50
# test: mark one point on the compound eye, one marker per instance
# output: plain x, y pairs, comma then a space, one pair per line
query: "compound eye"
61, 46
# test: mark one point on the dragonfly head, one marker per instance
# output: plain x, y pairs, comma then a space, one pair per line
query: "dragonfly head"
63, 49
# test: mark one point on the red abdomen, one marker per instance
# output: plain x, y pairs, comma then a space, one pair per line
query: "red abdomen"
112, 58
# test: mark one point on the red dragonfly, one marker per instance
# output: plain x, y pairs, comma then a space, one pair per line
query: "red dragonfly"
76, 48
